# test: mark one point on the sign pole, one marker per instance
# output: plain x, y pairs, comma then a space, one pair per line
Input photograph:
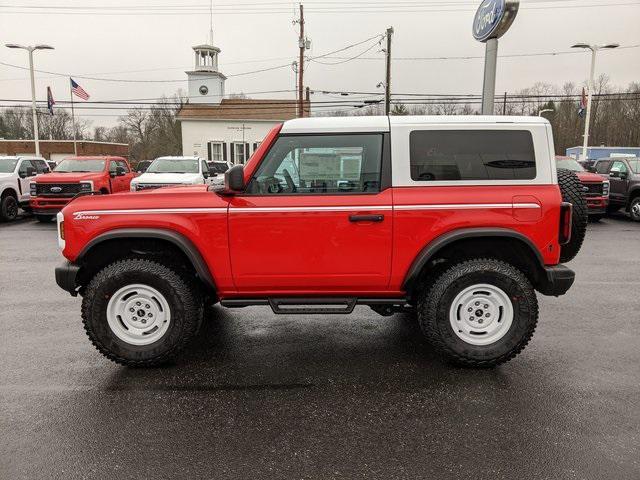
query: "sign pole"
492, 20
73, 121
489, 85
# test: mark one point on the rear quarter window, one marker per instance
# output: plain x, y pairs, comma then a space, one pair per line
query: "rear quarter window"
456, 155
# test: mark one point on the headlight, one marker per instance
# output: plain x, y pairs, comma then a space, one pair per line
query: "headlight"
605, 188
32, 189
86, 186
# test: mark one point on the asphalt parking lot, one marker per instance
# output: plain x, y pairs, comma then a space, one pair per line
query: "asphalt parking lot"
360, 396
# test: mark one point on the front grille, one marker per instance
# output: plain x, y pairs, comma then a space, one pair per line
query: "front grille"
57, 189
151, 186
593, 189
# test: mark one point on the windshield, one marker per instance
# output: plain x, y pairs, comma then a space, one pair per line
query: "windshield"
570, 164
78, 166
8, 165
174, 165
635, 165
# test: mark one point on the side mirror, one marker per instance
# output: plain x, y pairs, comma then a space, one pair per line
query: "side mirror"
233, 181
614, 174
120, 171
30, 172
206, 174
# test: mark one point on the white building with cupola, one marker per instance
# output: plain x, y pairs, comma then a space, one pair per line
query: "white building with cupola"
218, 127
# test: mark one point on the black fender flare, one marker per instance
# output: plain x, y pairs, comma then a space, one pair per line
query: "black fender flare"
177, 239
633, 192
445, 239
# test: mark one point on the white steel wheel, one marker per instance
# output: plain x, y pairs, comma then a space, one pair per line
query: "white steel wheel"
481, 314
138, 314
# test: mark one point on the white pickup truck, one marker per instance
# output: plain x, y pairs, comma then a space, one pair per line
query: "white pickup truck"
172, 171
16, 173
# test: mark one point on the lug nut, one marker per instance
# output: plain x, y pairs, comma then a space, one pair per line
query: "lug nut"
469, 309
485, 306
138, 303
147, 306
143, 321
150, 315
487, 315
132, 310
480, 320
134, 318
477, 303
471, 319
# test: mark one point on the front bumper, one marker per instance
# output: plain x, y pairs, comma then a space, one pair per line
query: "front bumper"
597, 205
48, 205
558, 280
66, 277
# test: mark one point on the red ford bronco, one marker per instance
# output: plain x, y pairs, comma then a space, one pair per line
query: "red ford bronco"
458, 219
51, 192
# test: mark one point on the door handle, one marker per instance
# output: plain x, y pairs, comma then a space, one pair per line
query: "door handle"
366, 218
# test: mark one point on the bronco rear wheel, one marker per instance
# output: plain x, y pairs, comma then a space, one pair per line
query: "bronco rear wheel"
479, 313
571, 190
140, 313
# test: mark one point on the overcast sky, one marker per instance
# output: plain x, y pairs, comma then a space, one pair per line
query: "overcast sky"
109, 39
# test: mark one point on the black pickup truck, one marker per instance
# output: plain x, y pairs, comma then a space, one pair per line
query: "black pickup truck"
624, 175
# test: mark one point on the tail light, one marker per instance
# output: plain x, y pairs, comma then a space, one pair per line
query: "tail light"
566, 214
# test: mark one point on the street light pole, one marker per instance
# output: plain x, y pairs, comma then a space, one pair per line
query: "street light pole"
31, 49
594, 49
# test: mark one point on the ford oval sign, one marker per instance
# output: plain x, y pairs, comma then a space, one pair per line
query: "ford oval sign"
493, 18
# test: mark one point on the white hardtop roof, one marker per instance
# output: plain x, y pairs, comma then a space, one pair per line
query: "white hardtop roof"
361, 124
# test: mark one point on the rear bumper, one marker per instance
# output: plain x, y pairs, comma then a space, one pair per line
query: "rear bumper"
558, 280
66, 277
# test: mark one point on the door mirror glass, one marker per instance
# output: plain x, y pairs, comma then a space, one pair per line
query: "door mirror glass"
120, 171
233, 181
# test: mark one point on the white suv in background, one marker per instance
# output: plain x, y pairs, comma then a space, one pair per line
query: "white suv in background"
168, 171
16, 173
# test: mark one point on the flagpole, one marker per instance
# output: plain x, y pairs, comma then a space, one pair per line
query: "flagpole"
73, 120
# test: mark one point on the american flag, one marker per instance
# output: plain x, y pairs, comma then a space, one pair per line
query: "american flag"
78, 91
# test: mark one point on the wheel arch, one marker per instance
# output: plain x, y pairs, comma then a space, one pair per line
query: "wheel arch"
633, 193
427, 260
176, 239
9, 190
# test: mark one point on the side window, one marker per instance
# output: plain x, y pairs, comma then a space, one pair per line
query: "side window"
123, 164
317, 164
619, 166
602, 166
41, 166
24, 165
112, 166
204, 166
452, 155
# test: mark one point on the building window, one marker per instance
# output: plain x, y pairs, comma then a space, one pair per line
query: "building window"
215, 152
239, 152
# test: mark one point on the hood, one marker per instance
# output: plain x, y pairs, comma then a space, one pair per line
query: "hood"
5, 175
71, 177
168, 178
589, 177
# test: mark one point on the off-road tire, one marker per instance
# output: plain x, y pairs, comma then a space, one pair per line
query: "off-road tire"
571, 190
44, 218
434, 306
8, 208
634, 209
182, 294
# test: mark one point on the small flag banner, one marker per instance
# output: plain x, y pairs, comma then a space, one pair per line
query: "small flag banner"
50, 101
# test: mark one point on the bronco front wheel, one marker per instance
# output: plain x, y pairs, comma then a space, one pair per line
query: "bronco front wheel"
479, 313
140, 313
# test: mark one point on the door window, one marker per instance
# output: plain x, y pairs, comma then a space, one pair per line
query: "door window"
41, 166
24, 165
603, 166
619, 167
320, 164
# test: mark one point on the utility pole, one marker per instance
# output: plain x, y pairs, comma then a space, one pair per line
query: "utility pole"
387, 83
504, 104
301, 45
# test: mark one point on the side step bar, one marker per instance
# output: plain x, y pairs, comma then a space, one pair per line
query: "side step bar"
312, 305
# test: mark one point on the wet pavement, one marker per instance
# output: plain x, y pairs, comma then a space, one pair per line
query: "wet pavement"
359, 396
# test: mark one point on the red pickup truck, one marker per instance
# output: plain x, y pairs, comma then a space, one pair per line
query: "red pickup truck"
52, 191
595, 188
457, 219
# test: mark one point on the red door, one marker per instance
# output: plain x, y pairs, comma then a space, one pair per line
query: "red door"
313, 220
